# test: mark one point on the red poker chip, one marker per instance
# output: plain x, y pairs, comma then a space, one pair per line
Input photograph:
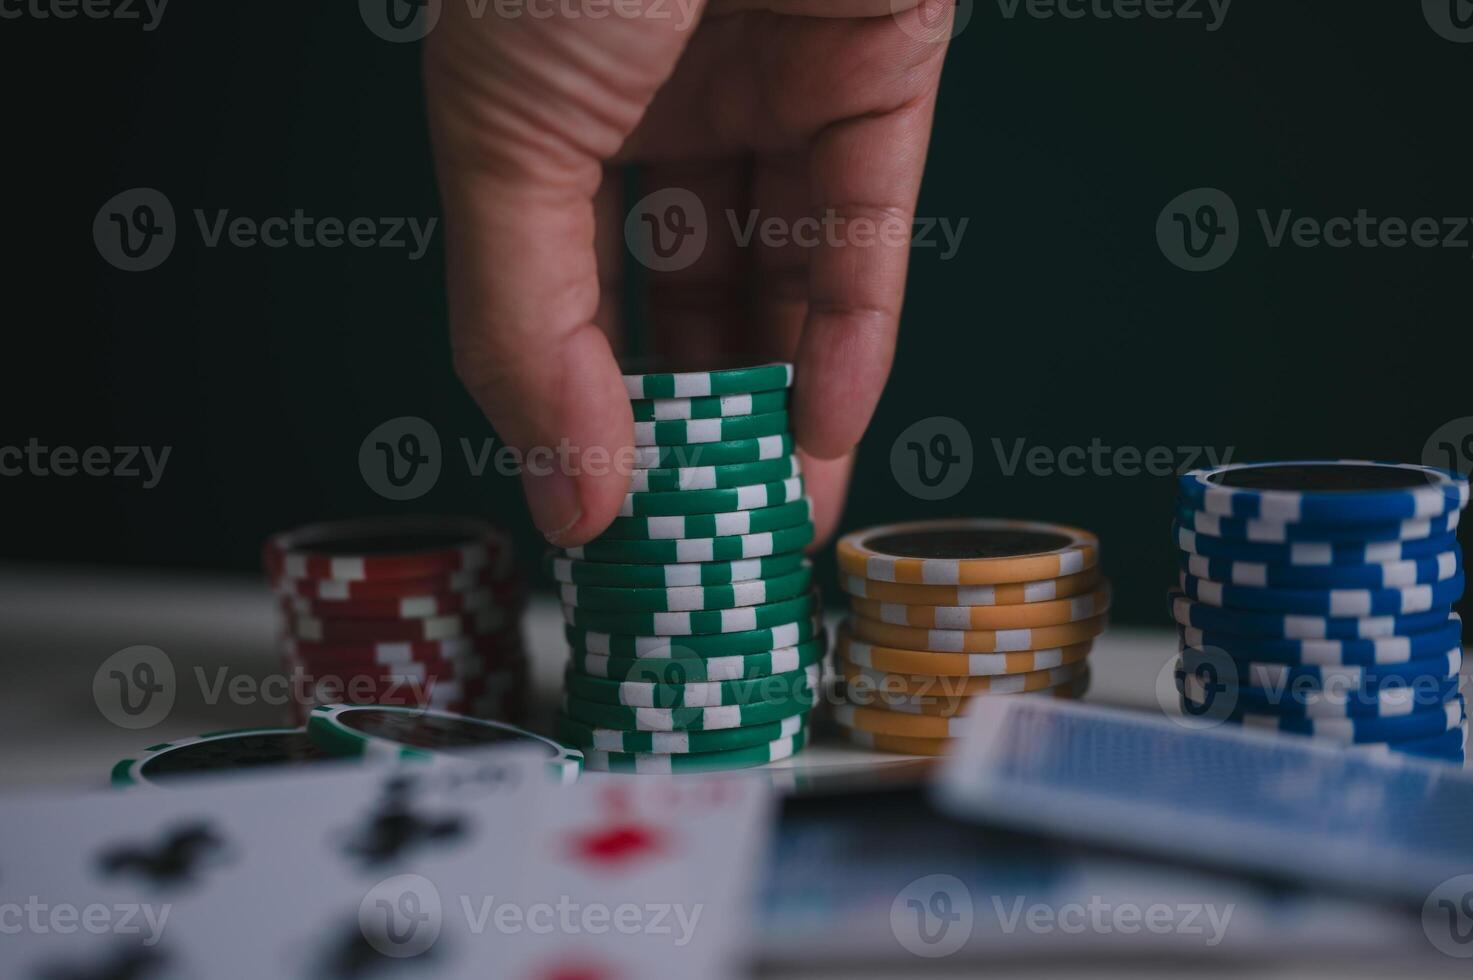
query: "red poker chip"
320, 630
503, 643
408, 607
337, 590
462, 668
373, 549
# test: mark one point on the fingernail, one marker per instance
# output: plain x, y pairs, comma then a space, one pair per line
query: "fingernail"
553, 499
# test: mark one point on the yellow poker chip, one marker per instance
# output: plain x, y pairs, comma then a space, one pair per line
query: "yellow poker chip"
1007, 594
912, 724
900, 660
906, 745
862, 681
975, 641
1054, 613
977, 551
944, 703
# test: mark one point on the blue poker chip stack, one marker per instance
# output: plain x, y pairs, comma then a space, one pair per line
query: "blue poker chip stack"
1317, 598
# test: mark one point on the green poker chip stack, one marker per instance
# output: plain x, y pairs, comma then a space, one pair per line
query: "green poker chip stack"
693, 625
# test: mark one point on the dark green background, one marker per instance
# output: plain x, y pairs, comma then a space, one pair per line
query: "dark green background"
1058, 321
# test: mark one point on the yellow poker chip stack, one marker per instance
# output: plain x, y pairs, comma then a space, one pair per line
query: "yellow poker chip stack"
945, 611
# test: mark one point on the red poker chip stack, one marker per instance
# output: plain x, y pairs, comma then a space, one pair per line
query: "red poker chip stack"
404, 611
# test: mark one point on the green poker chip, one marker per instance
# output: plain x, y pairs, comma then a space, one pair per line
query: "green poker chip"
425, 735
715, 477
660, 764
689, 432
674, 551
687, 574
724, 525
713, 453
216, 752
682, 624
794, 685
710, 407
755, 497
659, 670
755, 592
694, 647
684, 719
703, 384
588, 738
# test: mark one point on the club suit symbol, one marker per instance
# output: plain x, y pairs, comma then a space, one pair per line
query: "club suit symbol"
1198, 229
1450, 19
667, 230
178, 858
135, 230
135, 687
400, 459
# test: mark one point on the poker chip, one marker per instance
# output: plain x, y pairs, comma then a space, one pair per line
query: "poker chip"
1258, 673
690, 432
704, 384
1312, 554
902, 744
692, 623
946, 705
386, 548
903, 661
758, 496
666, 763
713, 453
217, 752
1326, 602
710, 407
674, 575
1421, 724
975, 641
1378, 575
677, 550
422, 611
1272, 532
795, 685
437, 737
676, 743
753, 592
692, 647
980, 551
1366, 652
683, 719
665, 671
860, 679
742, 619
1325, 491
1290, 701
726, 476
729, 524
1449, 746
1244, 622
884, 722
1054, 613
1045, 590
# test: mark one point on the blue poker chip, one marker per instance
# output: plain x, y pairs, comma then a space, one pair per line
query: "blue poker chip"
1293, 626
1276, 676
1378, 575
1364, 652
1273, 532
1449, 746
1311, 553
1420, 724
1333, 491
1214, 695
1327, 602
